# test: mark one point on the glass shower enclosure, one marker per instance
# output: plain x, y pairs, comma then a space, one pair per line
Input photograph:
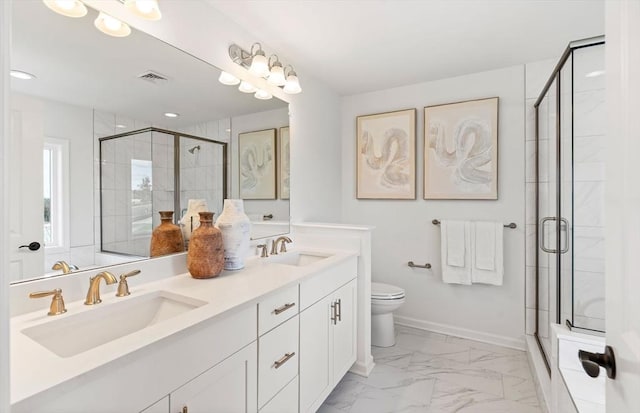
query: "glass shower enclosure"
570, 179
149, 170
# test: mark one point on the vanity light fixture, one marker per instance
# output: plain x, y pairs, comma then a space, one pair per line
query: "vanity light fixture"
262, 94
171, 114
292, 86
146, 9
246, 87
228, 79
69, 8
258, 65
111, 26
19, 74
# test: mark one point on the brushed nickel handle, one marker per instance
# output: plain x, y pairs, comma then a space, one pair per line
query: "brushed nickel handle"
284, 308
284, 359
339, 309
543, 246
334, 313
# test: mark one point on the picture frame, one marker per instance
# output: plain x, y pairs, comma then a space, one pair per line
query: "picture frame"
257, 164
386, 155
284, 168
461, 150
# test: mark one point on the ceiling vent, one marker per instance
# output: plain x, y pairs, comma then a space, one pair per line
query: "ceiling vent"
154, 77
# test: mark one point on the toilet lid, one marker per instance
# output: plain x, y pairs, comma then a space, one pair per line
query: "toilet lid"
382, 291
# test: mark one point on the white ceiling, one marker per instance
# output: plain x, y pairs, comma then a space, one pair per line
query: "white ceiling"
356, 46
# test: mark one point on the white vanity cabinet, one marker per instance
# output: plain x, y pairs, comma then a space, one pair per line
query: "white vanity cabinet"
229, 386
327, 333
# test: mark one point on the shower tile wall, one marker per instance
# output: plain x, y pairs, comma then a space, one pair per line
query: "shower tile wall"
589, 178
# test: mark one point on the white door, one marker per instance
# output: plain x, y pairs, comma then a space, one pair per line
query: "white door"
622, 202
26, 214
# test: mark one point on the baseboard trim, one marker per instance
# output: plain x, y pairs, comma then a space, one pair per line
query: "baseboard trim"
503, 341
362, 369
540, 374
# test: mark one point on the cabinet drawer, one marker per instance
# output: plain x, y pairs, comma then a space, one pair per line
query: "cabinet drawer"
284, 402
277, 308
277, 359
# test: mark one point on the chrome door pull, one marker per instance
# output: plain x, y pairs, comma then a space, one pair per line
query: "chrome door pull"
566, 235
284, 308
284, 359
542, 235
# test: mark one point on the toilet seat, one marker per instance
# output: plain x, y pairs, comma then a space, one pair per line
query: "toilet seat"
380, 291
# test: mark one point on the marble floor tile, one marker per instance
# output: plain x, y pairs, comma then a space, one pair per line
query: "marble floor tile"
434, 373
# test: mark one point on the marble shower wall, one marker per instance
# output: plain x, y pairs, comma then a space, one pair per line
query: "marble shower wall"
587, 223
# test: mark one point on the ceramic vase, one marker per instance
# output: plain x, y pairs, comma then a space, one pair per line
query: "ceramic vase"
191, 219
166, 238
205, 257
235, 227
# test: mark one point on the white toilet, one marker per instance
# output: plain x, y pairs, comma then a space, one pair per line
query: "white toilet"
385, 299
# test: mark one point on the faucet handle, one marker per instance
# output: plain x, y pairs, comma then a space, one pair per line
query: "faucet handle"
57, 302
123, 286
263, 254
274, 247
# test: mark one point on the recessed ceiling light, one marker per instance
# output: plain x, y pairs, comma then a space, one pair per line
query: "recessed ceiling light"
18, 74
121, 126
171, 115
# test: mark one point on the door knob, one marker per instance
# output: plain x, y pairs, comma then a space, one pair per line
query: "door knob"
591, 362
33, 246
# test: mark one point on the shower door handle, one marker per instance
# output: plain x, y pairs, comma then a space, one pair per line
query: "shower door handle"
543, 233
566, 235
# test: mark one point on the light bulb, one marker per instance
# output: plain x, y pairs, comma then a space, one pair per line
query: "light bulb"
69, 8
111, 26
171, 115
293, 85
147, 9
276, 75
259, 65
228, 79
246, 87
262, 94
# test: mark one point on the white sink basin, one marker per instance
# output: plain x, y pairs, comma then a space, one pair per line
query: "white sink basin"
298, 258
74, 334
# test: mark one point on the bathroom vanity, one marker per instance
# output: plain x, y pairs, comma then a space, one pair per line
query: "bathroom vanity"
274, 337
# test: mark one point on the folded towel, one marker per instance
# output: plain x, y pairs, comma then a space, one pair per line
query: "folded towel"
455, 242
487, 257
460, 272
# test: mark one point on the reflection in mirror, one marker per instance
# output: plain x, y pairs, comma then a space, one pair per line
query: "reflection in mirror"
89, 86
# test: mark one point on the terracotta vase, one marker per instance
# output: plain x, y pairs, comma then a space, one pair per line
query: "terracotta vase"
166, 238
205, 258
235, 227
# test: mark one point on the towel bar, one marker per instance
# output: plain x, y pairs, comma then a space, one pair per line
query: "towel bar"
412, 265
511, 225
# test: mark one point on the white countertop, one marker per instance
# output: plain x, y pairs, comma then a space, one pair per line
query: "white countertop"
35, 369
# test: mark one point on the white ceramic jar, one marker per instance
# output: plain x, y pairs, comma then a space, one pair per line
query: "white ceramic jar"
236, 228
191, 219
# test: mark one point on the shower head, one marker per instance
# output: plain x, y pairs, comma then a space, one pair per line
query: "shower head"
194, 149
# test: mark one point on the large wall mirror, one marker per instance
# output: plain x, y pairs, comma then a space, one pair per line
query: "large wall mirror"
72, 192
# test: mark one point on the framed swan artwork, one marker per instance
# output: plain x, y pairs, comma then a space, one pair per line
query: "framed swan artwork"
257, 161
386, 155
461, 150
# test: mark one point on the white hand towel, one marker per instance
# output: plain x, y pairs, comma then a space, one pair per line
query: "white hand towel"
485, 256
455, 242
452, 274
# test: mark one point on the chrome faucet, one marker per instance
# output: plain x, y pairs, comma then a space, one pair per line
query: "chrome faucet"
62, 265
93, 295
283, 247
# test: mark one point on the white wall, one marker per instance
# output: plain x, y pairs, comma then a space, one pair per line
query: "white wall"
404, 230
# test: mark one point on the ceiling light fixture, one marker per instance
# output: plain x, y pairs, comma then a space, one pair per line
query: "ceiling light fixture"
171, 115
146, 9
262, 94
271, 69
228, 79
111, 26
19, 74
246, 87
69, 8
595, 73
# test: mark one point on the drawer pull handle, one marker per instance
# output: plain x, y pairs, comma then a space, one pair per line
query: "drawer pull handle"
284, 308
284, 359
334, 312
339, 309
